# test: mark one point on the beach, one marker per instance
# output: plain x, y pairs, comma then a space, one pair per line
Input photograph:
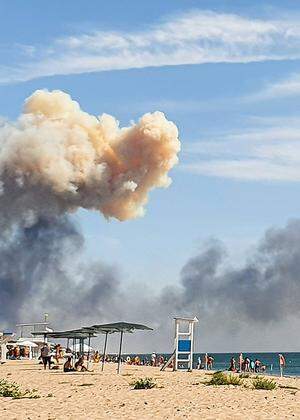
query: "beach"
102, 395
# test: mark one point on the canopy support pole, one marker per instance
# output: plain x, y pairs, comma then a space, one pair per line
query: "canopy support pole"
120, 352
104, 351
74, 350
88, 355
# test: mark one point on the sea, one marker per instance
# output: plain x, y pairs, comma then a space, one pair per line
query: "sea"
270, 360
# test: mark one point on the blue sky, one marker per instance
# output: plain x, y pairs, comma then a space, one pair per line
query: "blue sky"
226, 72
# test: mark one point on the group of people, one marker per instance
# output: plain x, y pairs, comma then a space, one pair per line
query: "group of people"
208, 362
69, 366
77, 367
16, 352
243, 364
246, 365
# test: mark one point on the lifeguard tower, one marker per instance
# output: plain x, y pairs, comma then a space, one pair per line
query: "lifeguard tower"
182, 356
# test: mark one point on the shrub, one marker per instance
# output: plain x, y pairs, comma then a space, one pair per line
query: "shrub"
244, 375
143, 383
220, 378
13, 390
264, 383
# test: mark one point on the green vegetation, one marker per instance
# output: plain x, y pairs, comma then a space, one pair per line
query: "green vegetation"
144, 383
264, 383
220, 378
13, 390
244, 375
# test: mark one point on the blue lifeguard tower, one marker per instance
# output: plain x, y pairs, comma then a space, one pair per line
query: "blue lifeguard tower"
184, 343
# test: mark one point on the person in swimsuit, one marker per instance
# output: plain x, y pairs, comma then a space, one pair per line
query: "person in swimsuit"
281, 363
68, 365
79, 366
210, 361
232, 367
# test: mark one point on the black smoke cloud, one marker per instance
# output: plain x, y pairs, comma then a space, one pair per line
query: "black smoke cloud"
41, 271
35, 275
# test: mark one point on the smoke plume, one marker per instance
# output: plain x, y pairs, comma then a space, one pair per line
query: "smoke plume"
41, 271
56, 158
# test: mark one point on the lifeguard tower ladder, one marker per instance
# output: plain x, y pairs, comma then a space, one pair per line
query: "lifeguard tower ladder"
184, 343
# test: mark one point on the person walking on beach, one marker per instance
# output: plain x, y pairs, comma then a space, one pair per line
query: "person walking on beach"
281, 364
45, 355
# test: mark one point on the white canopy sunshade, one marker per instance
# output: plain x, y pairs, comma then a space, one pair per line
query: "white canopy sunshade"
77, 348
26, 343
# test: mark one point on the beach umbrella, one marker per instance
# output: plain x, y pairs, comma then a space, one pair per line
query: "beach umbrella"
118, 327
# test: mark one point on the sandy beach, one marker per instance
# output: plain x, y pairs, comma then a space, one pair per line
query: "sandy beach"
100, 395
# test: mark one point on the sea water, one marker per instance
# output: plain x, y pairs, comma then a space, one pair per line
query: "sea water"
270, 360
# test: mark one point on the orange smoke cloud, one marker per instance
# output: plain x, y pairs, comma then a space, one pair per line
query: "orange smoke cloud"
56, 158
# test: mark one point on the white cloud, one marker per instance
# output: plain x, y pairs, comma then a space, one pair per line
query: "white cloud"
268, 154
192, 38
287, 87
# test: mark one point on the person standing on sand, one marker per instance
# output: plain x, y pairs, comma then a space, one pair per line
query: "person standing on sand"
206, 360
232, 367
281, 364
45, 355
199, 363
257, 365
210, 361
241, 362
153, 359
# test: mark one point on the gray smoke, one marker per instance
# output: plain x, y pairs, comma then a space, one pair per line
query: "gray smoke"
41, 271
35, 275
265, 289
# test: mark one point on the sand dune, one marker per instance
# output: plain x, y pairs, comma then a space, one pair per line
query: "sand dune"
105, 395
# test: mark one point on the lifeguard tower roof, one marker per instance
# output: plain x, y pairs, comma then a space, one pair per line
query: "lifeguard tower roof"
180, 318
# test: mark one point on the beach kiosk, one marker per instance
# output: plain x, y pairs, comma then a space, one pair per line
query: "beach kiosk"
184, 343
